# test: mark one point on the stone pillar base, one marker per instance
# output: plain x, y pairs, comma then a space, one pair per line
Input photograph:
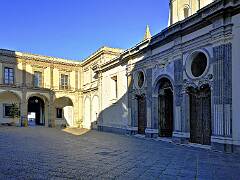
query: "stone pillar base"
181, 137
151, 133
222, 147
225, 144
132, 130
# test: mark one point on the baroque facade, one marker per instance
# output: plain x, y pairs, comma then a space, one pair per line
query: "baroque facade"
181, 83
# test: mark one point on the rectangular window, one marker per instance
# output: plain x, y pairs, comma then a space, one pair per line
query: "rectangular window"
59, 113
115, 86
64, 81
8, 75
6, 110
37, 81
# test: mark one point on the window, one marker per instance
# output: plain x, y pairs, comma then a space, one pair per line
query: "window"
7, 110
64, 81
199, 4
186, 12
8, 75
199, 64
37, 79
140, 79
115, 86
59, 113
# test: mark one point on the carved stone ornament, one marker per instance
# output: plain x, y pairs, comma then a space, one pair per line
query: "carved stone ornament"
198, 83
139, 92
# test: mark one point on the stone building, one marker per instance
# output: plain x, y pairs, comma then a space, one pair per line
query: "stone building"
51, 88
181, 83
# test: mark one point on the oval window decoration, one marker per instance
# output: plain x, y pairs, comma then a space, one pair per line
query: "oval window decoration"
141, 79
199, 64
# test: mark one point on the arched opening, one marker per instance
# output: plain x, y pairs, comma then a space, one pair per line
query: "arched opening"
64, 112
142, 114
7, 99
186, 12
200, 115
95, 112
36, 110
165, 108
140, 79
87, 114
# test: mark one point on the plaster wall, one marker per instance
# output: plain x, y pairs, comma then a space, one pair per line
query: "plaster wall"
197, 34
235, 76
114, 111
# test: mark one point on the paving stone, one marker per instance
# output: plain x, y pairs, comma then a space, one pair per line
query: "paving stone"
44, 153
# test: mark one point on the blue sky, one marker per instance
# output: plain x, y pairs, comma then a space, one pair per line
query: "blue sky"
74, 29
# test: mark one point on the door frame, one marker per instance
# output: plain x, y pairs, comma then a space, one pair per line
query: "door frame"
143, 97
169, 88
207, 88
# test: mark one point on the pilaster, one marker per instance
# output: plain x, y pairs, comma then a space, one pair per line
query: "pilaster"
23, 106
222, 91
51, 76
51, 122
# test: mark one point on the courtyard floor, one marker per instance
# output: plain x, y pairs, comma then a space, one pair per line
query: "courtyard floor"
44, 153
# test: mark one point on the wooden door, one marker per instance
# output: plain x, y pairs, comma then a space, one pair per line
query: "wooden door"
142, 115
165, 113
200, 116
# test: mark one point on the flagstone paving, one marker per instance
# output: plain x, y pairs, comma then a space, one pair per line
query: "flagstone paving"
45, 153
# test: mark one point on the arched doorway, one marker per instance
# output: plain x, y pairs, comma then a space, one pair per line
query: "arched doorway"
142, 114
64, 112
36, 110
200, 115
7, 99
165, 108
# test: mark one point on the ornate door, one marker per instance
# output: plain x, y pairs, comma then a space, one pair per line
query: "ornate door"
200, 116
142, 118
165, 112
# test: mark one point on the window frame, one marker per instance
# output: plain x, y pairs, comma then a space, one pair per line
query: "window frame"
4, 110
57, 110
186, 12
115, 86
41, 79
8, 75
65, 85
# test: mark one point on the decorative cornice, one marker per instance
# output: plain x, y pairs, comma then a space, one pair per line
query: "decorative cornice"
197, 84
40, 58
101, 51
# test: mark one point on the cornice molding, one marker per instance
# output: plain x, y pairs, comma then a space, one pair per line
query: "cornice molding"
39, 58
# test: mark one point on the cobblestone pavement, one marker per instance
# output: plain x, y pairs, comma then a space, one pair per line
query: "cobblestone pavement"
44, 153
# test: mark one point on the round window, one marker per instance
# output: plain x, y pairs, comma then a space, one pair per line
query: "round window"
199, 64
141, 78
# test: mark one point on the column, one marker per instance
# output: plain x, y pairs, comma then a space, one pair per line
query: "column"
51, 122
51, 76
23, 107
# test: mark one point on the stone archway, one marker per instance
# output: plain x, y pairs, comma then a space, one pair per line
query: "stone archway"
36, 110
7, 98
64, 111
200, 115
165, 108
